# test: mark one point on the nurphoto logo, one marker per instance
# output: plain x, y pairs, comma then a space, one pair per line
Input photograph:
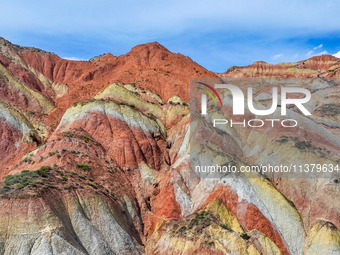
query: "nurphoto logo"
238, 104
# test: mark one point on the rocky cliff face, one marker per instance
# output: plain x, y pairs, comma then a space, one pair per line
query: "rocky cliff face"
95, 160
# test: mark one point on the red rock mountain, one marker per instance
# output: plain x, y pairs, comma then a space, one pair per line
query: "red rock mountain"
95, 160
326, 66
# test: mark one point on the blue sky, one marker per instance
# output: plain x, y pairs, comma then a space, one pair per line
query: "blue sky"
217, 34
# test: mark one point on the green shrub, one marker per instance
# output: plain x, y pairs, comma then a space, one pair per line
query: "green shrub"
245, 236
51, 153
25, 178
193, 223
182, 229
283, 139
302, 145
225, 227
84, 167
43, 171
84, 137
202, 219
92, 185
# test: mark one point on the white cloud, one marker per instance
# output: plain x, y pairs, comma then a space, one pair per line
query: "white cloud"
313, 52
310, 53
337, 54
74, 58
321, 53
318, 47
277, 56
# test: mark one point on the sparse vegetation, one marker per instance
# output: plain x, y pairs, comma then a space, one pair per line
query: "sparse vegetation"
303, 145
182, 229
83, 137
245, 236
43, 171
283, 139
82, 176
92, 184
25, 178
200, 221
225, 227
84, 167
124, 103
329, 109
178, 103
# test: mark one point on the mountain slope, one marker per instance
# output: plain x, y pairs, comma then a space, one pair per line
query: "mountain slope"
95, 160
